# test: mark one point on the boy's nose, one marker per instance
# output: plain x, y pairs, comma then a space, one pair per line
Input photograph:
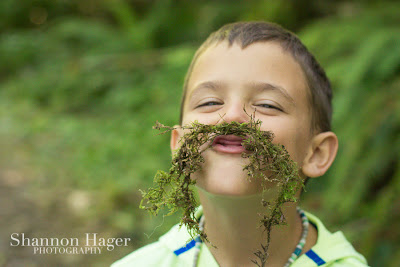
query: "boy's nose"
236, 112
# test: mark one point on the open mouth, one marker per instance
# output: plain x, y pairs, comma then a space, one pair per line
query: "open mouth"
231, 144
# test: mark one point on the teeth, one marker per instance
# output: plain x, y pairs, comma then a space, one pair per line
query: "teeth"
231, 143
229, 140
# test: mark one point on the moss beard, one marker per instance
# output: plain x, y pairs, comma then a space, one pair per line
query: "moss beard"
174, 191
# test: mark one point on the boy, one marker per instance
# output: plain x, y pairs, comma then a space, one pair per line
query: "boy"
253, 68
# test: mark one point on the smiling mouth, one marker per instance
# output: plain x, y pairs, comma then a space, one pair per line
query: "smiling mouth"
230, 144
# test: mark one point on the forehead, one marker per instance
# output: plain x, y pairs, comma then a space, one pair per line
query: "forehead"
262, 62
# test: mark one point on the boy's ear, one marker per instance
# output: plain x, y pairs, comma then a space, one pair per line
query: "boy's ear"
321, 154
176, 135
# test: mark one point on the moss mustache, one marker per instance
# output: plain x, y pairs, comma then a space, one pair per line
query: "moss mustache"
269, 162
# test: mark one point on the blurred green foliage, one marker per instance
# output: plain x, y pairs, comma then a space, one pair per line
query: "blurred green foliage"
82, 83
363, 62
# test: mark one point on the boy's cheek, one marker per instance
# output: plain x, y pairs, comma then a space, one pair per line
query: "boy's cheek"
203, 118
177, 139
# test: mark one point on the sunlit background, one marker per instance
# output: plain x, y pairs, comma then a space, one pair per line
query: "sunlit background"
82, 83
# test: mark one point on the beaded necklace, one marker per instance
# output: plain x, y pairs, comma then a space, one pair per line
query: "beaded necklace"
292, 258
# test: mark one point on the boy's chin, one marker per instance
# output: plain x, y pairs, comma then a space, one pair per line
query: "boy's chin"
230, 187
223, 175
245, 201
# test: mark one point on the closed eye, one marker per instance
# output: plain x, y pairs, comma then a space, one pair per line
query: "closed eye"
209, 103
269, 106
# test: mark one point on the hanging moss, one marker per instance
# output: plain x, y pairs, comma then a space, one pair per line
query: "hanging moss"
173, 189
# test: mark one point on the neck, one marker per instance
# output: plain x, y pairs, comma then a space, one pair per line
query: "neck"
232, 224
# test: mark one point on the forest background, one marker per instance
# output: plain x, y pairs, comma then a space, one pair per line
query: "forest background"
83, 82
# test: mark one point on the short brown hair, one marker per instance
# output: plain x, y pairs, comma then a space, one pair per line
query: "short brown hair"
247, 33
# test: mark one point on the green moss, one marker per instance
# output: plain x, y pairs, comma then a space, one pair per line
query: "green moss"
173, 189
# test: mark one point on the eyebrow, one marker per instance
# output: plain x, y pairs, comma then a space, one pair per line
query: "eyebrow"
213, 85
263, 86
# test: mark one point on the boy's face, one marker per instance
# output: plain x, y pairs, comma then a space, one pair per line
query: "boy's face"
267, 82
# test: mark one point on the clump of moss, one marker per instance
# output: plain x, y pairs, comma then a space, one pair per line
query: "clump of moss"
173, 189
